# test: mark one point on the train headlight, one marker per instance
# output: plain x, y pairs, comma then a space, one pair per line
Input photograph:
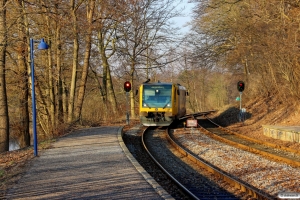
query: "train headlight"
145, 105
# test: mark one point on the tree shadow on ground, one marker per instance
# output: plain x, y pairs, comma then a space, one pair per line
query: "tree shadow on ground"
230, 116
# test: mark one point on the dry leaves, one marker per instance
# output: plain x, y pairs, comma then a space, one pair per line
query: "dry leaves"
12, 166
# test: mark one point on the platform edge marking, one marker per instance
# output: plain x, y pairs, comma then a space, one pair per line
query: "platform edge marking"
162, 192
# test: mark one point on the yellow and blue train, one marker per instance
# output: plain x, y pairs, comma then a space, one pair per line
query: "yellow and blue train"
161, 103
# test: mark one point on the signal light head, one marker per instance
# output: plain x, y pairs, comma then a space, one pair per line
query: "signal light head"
127, 86
240, 86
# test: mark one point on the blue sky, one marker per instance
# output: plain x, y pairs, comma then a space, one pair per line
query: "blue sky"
187, 12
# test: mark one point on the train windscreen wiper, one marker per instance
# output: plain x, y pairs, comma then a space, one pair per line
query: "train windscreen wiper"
166, 104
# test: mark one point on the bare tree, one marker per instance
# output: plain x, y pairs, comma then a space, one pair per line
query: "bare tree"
86, 63
61, 99
73, 10
255, 40
108, 19
146, 27
24, 140
4, 119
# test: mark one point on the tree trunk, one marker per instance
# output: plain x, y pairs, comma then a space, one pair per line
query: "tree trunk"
110, 92
51, 98
24, 140
75, 62
59, 85
86, 62
104, 64
107, 80
4, 119
132, 103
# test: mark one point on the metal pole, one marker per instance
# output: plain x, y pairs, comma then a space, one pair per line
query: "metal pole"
241, 100
33, 100
127, 109
241, 113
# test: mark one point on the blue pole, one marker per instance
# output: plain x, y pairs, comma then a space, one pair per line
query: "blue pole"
33, 100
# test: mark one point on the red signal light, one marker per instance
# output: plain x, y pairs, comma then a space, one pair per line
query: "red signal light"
241, 86
127, 86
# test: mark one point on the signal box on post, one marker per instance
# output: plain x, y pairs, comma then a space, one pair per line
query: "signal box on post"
240, 86
127, 86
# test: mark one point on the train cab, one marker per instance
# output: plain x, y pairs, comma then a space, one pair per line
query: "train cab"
161, 103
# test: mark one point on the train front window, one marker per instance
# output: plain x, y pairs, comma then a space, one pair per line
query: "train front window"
157, 96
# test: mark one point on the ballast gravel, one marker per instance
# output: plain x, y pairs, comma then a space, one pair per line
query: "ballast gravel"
269, 176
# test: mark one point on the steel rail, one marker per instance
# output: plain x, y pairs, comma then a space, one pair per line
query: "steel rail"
193, 115
189, 193
255, 140
251, 149
239, 184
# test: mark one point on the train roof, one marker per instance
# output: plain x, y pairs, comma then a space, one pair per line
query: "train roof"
158, 83
167, 83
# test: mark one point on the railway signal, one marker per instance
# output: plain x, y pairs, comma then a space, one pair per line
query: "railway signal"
240, 86
127, 86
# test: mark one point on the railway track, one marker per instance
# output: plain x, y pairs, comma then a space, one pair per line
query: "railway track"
265, 149
191, 173
271, 177
241, 177
135, 146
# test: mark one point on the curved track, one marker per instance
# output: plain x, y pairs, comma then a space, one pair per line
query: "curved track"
135, 146
265, 149
197, 185
147, 147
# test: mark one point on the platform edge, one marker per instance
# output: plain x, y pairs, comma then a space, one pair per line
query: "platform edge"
162, 192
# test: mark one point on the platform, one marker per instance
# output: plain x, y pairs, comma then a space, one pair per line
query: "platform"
285, 133
90, 163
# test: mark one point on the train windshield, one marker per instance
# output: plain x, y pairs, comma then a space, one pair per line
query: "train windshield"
157, 96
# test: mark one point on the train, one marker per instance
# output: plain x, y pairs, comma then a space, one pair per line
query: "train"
161, 103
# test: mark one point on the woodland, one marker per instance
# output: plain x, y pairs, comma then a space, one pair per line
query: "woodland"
95, 46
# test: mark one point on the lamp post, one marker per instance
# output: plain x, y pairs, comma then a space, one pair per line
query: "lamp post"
42, 46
